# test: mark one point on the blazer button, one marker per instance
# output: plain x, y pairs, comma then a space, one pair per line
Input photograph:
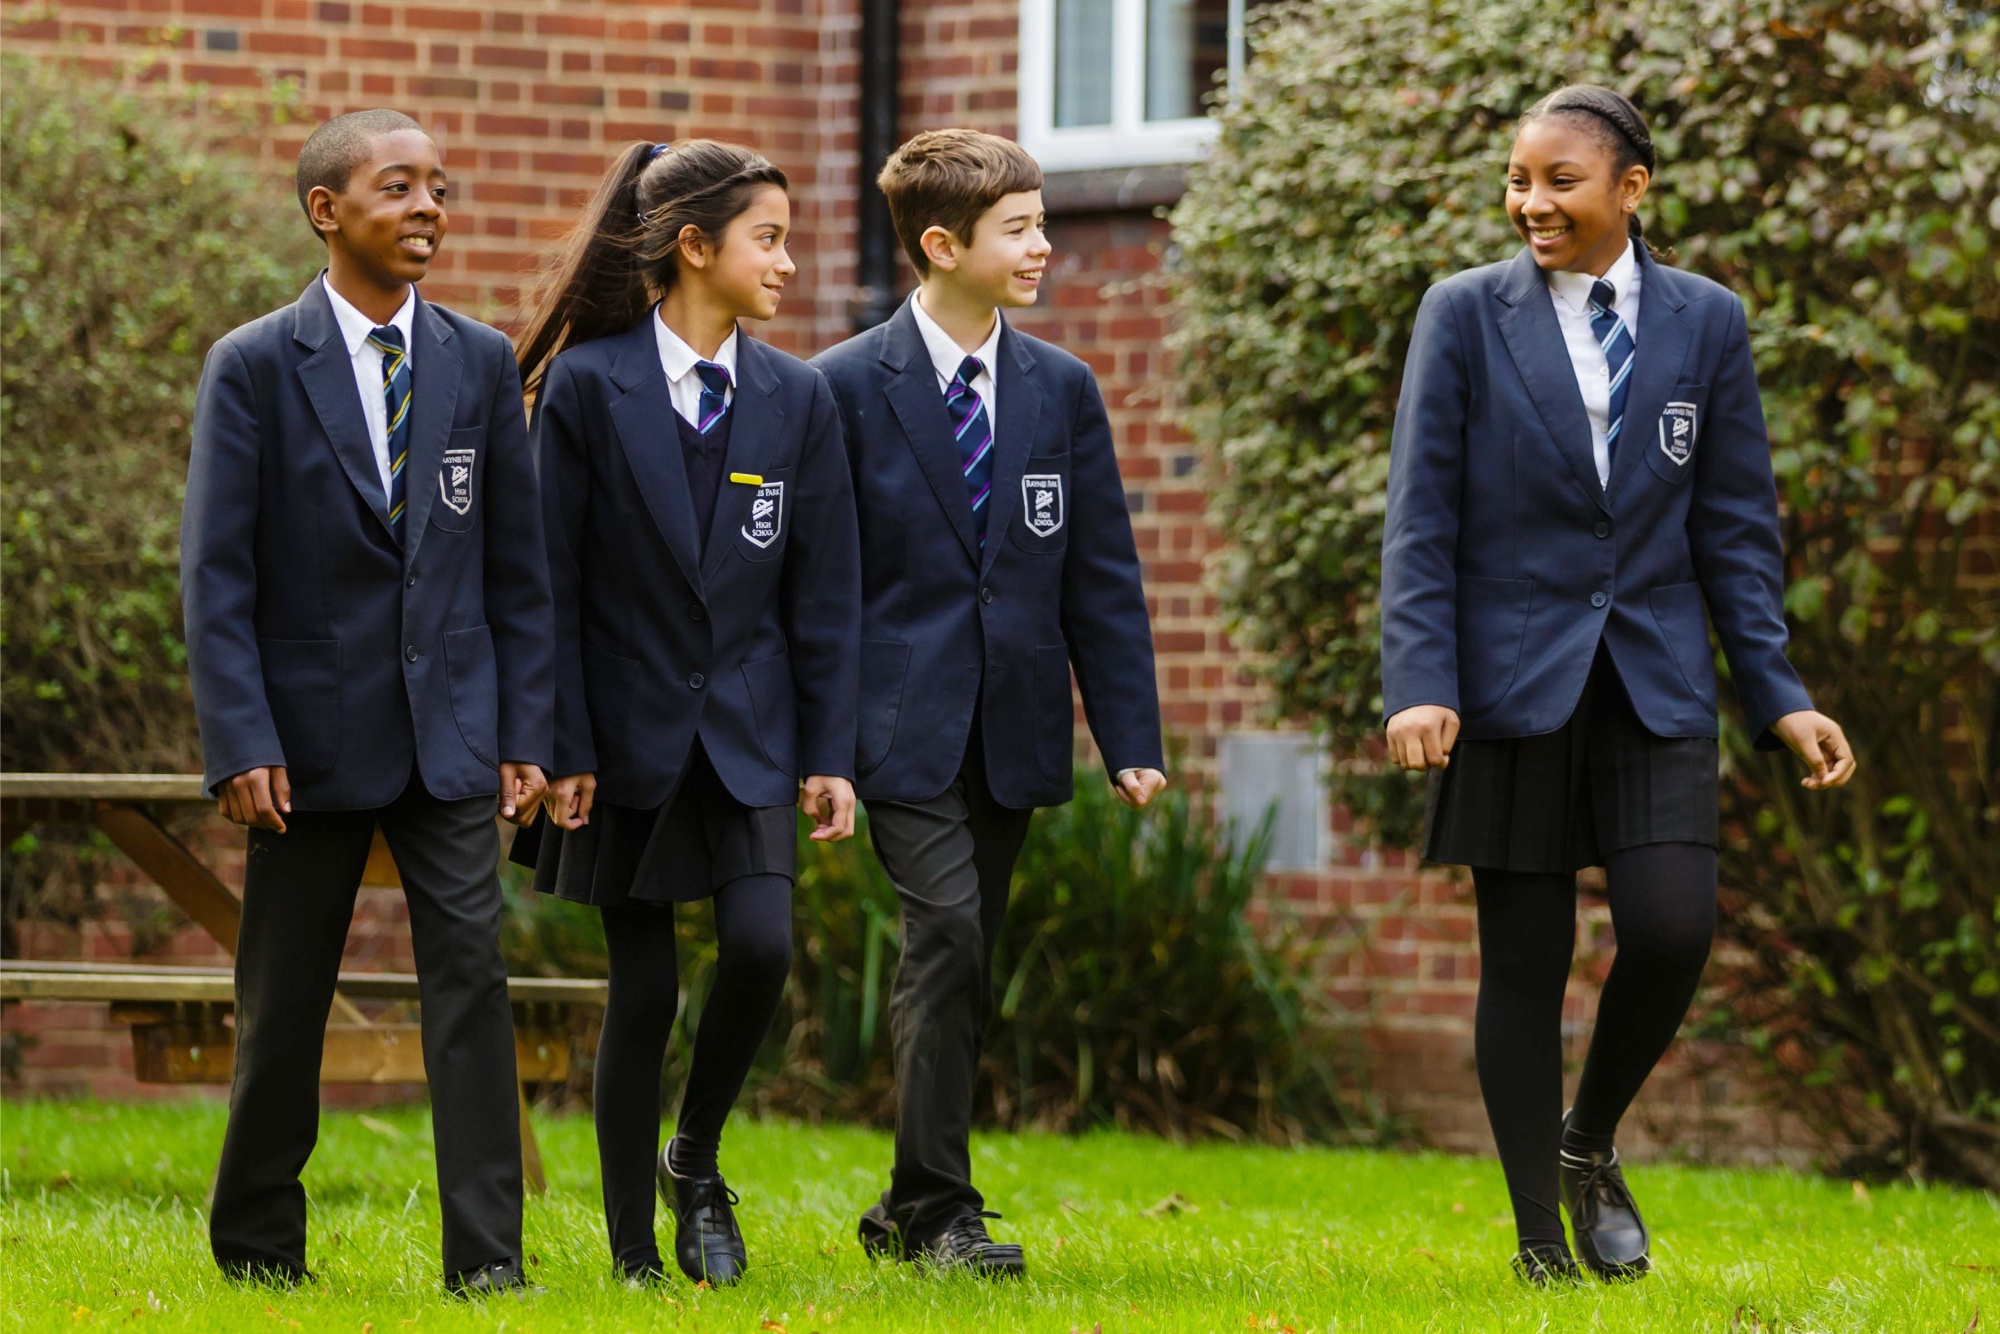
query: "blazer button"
412, 581
985, 595
1598, 599
696, 612
411, 653
697, 681
1602, 530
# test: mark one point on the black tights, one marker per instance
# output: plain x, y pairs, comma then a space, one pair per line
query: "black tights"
753, 930
1663, 912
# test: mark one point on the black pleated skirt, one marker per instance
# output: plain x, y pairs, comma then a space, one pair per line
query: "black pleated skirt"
1564, 800
698, 841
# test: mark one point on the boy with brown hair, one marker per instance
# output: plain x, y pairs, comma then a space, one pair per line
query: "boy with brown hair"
996, 553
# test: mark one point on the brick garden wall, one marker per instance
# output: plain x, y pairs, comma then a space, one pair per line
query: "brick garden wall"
529, 97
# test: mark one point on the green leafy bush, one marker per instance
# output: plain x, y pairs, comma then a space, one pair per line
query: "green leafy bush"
1133, 986
1834, 164
133, 240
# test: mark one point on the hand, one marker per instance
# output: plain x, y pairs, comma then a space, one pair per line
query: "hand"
1136, 787
568, 800
260, 798
830, 802
1818, 740
1421, 737
521, 788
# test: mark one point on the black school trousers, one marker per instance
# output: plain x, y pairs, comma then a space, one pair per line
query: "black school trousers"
298, 898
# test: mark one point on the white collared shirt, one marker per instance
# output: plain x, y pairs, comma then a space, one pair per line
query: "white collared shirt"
1571, 292
367, 358
677, 359
946, 355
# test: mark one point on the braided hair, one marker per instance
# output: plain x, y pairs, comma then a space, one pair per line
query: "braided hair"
1616, 123
620, 258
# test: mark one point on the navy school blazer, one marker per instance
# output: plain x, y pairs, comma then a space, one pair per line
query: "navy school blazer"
947, 626
314, 640
1505, 562
749, 640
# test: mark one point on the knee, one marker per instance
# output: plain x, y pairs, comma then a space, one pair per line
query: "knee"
1676, 948
765, 956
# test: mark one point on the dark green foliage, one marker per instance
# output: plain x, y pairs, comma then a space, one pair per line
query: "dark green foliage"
1835, 164
133, 241
1133, 986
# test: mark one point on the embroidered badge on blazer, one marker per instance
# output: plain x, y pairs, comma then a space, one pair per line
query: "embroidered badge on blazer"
1042, 503
767, 515
1677, 431
455, 480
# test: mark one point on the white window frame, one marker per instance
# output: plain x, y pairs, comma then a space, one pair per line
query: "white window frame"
1130, 140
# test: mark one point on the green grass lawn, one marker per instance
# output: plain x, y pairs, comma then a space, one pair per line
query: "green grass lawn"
104, 1228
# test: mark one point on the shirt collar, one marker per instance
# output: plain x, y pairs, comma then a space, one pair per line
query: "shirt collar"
678, 359
355, 327
946, 354
1574, 288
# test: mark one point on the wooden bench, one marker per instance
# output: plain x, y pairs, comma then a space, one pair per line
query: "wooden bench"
177, 1014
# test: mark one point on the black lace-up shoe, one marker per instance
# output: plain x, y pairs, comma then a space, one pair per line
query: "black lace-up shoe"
1611, 1238
708, 1245
1546, 1267
881, 1239
964, 1245
502, 1276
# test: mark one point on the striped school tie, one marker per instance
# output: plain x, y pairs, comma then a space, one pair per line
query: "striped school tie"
1616, 340
396, 399
974, 434
714, 385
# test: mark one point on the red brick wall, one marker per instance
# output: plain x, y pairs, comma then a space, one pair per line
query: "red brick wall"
529, 97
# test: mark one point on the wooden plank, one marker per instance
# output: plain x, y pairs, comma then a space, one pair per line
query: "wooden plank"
179, 872
25, 979
532, 1175
195, 1053
105, 787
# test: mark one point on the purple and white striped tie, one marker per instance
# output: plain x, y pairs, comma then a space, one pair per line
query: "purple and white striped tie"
714, 389
974, 433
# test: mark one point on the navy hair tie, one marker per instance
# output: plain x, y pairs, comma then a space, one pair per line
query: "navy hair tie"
656, 151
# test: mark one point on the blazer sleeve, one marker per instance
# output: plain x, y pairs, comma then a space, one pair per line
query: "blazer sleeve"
219, 574
1734, 536
1104, 600
1420, 528
518, 611
821, 594
564, 464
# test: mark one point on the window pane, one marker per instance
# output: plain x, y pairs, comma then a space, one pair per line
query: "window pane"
1187, 45
1083, 62
1276, 774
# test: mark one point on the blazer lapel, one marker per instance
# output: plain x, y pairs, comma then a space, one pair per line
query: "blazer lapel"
434, 377
1659, 350
756, 420
644, 418
328, 378
919, 405
1535, 341
1019, 408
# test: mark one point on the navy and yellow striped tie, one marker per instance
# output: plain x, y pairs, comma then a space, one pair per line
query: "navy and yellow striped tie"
396, 401
1616, 340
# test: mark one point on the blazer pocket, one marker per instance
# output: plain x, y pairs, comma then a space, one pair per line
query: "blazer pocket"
1055, 723
474, 680
302, 685
607, 693
1041, 523
455, 507
1682, 615
1492, 628
762, 513
1675, 438
885, 664
777, 709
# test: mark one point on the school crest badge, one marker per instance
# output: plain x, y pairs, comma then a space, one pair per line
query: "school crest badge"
455, 480
767, 515
1677, 431
1042, 503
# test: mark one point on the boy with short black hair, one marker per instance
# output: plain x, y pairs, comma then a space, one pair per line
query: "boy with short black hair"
368, 631
996, 553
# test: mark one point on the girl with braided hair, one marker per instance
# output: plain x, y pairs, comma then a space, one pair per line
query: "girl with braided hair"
1579, 486
706, 572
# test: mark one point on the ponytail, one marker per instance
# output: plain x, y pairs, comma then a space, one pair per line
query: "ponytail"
620, 258
1626, 134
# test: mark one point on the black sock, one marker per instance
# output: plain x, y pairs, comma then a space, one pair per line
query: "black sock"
1579, 1145
692, 1160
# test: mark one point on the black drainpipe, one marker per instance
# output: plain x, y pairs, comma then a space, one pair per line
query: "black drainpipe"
875, 258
